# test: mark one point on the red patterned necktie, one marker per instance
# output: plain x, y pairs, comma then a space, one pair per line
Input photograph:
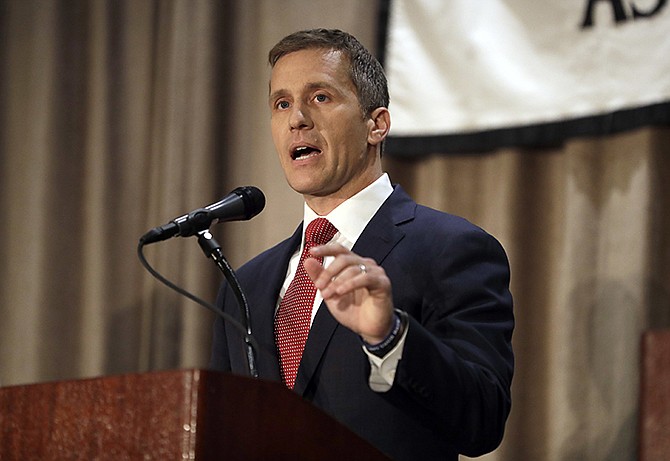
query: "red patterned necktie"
295, 309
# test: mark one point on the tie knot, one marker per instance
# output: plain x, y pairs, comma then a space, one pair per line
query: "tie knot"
320, 231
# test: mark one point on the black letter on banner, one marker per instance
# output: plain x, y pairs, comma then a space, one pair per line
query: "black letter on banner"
619, 13
646, 14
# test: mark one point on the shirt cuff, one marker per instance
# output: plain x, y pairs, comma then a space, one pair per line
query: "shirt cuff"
383, 369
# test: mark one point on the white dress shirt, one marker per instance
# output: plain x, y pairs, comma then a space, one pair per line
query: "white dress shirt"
350, 218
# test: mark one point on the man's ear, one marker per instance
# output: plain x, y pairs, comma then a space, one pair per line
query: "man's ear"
379, 125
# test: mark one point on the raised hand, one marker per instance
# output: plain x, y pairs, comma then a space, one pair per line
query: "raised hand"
356, 290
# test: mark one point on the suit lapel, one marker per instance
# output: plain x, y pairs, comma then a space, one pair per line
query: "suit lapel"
377, 240
263, 301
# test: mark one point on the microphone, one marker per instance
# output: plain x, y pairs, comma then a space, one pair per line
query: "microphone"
241, 204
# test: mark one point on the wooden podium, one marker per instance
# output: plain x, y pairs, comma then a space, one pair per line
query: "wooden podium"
654, 421
172, 415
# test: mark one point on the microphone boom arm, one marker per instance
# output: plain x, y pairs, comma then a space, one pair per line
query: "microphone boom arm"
212, 249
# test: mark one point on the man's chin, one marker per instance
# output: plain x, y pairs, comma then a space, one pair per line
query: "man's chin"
307, 188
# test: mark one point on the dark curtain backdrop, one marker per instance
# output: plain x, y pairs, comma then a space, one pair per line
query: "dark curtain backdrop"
116, 116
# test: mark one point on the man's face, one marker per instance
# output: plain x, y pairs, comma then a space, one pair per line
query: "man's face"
319, 129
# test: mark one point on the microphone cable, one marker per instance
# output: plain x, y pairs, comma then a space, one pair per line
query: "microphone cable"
209, 306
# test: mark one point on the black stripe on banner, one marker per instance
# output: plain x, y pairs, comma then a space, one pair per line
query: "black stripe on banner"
537, 136
383, 15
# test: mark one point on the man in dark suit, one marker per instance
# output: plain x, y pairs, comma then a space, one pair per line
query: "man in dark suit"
407, 339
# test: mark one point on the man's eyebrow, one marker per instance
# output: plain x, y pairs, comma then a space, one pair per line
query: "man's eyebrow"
276, 95
324, 85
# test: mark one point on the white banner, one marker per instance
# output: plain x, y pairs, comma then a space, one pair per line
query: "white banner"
465, 66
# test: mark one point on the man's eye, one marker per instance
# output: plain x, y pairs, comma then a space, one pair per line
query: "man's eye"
321, 98
282, 105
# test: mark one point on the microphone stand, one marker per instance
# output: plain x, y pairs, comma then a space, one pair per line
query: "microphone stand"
212, 249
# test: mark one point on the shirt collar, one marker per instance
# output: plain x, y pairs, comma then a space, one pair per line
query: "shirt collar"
352, 215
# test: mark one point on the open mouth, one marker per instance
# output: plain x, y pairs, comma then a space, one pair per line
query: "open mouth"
303, 152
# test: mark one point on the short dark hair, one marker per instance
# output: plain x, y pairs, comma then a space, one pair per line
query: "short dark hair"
365, 70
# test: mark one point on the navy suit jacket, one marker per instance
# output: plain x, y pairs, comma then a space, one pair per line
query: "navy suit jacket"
451, 392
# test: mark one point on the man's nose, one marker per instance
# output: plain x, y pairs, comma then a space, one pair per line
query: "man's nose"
300, 117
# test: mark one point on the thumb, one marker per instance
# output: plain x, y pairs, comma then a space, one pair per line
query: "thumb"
313, 268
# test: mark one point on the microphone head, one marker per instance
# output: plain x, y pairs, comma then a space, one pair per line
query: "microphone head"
253, 198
